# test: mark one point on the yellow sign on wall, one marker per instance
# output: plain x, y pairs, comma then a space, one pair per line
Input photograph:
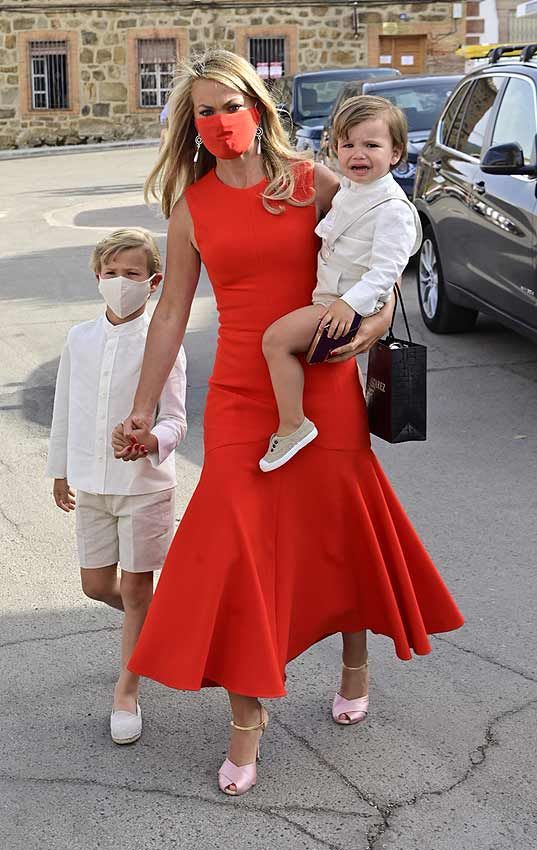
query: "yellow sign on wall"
390, 28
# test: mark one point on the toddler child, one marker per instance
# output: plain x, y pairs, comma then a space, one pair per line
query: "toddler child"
368, 236
124, 511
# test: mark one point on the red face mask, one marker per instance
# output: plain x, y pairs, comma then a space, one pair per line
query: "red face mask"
228, 136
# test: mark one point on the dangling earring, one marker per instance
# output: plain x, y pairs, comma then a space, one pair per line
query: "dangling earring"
198, 142
258, 135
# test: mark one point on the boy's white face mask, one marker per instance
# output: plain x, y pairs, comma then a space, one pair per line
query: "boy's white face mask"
124, 296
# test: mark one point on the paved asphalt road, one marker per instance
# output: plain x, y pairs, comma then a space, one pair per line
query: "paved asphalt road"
447, 760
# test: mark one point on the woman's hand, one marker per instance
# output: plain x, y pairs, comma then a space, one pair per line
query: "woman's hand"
136, 421
370, 331
132, 438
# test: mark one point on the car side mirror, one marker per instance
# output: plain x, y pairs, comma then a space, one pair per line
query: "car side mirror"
506, 159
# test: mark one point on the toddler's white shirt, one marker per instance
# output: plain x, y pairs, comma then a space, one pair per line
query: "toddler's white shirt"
368, 237
97, 379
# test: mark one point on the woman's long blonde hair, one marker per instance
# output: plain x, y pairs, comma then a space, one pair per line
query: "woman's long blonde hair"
175, 169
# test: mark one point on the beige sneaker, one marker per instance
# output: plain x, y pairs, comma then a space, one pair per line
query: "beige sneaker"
282, 449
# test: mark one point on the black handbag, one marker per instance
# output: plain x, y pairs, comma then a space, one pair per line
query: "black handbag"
396, 388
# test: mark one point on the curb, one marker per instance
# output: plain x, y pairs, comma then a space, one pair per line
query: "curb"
58, 150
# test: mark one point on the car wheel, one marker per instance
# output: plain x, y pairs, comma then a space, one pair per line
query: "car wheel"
439, 314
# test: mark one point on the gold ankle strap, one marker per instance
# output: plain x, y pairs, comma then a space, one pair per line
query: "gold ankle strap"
261, 725
362, 666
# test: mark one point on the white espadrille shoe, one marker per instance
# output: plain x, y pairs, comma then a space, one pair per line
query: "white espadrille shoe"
126, 727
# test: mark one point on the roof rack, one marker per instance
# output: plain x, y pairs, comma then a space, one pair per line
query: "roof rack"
526, 52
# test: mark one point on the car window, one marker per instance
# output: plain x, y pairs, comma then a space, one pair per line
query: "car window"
450, 113
421, 103
352, 90
335, 106
314, 99
348, 92
477, 114
516, 121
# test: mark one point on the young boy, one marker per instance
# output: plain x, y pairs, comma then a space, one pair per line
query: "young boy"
124, 511
367, 237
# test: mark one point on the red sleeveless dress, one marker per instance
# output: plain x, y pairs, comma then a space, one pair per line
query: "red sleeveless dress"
264, 565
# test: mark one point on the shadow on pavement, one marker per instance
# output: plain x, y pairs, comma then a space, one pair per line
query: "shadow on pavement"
38, 394
88, 190
135, 216
35, 401
60, 275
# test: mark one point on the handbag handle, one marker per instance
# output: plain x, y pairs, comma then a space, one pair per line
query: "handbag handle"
398, 299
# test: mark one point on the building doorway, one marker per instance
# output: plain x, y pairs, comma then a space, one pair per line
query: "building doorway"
407, 53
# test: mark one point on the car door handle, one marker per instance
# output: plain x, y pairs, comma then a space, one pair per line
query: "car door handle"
479, 187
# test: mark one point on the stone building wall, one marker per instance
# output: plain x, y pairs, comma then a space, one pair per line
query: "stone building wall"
102, 57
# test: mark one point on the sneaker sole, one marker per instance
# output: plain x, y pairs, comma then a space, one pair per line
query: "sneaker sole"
268, 467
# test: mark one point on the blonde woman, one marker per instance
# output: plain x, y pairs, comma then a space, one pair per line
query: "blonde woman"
264, 566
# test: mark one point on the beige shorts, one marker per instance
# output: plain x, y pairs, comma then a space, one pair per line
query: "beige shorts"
134, 531
324, 300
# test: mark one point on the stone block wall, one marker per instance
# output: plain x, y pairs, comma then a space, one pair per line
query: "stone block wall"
102, 56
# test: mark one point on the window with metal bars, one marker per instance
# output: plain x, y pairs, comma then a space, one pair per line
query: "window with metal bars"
49, 74
156, 63
267, 55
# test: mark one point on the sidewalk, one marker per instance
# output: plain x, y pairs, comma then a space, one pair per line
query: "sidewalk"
57, 150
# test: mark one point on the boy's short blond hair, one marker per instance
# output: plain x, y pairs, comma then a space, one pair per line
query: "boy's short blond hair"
119, 240
363, 107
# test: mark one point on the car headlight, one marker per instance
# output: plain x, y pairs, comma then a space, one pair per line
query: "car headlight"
404, 169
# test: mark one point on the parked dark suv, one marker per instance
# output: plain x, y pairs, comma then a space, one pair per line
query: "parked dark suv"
476, 195
313, 95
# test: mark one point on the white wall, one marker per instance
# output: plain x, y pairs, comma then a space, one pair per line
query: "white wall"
488, 12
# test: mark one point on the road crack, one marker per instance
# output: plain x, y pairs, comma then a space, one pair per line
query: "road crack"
486, 658
477, 758
59, 637
10, 521
281, 812
331, 768
8, 467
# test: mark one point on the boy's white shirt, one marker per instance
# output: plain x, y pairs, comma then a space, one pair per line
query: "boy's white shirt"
368, 237
97, 379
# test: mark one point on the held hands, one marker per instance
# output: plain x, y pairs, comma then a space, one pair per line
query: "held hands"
338, 319
63, 495
132, 439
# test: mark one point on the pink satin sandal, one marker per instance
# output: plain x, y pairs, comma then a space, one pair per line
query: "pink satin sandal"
355, 710
243, 777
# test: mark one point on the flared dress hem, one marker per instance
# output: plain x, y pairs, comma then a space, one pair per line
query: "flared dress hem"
236, 688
